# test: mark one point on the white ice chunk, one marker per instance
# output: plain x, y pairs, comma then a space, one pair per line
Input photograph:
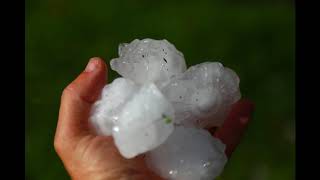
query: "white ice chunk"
203, 94
149, 60
105, 111
144, 123
188, 154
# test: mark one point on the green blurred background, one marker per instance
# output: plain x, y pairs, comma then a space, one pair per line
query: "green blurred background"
256, 39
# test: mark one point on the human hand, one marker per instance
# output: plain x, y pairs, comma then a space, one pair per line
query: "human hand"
87, 155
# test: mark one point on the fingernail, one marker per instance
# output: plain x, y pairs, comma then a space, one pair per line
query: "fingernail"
92, 65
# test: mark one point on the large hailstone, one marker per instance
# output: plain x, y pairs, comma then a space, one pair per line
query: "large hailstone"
188, 154
106, 110
144, 123
148, 60
203, 95
138, 118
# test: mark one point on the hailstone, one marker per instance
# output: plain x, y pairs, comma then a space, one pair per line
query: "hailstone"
106, 110
144, 122
188, 154
148, 60
203, 94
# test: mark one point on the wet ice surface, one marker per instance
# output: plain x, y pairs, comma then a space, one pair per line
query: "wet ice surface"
148, 60
159, 107
203, 94
106, 110
143, 123
188, 154
138, 118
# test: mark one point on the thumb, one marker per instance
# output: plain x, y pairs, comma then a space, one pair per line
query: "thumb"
76, 101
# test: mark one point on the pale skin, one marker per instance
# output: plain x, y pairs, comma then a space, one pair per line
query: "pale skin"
86, 155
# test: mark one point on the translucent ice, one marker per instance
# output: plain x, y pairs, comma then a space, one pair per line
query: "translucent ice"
105, 111
144, 123
148, 60
188, 154
203, 94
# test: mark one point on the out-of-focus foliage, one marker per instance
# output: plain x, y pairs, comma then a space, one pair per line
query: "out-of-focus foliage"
256, 39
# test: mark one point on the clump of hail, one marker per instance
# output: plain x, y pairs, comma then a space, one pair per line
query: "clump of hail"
160, 108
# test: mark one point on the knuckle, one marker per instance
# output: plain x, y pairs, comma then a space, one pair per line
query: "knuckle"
68, 91
58, 146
